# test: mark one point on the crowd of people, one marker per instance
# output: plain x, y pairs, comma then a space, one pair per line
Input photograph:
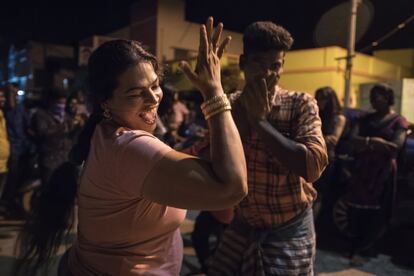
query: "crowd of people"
35, 140
258, 162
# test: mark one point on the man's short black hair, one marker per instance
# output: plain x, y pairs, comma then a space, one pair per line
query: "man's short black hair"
263, 36
384, 90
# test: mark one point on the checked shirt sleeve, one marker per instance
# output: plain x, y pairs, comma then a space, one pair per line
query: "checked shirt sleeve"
309, 133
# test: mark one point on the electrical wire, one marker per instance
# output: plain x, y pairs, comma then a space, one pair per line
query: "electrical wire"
399, 27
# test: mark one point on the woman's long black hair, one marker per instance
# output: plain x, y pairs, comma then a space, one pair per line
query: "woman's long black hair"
332, 108
50, 220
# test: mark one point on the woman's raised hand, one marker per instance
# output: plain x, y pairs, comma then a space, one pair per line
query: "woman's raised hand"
206, 76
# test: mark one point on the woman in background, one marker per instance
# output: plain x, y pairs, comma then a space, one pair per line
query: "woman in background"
333, 124
378, 138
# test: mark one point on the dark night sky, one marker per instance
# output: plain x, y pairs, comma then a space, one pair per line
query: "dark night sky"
70, 21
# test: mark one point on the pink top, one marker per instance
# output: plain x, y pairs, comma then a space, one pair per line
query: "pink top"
120, 232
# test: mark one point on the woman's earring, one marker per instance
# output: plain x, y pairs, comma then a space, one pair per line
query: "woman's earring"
107, 114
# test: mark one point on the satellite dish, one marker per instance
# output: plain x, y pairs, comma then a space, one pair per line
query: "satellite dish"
332, 28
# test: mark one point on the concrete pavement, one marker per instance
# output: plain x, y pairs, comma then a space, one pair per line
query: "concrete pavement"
327, 262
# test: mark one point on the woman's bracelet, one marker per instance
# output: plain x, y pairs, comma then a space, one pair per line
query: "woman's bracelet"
214, 99
217, 111
214, 106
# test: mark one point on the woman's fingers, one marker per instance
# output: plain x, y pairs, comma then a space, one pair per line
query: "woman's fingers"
209, 30
203, 48
209, 41
223, 46
216, 36
207, 62
186, 68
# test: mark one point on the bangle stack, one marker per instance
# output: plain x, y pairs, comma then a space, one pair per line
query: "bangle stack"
215, 105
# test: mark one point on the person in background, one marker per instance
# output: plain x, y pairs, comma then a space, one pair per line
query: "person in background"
209, 224
52, 129
81, 105
77, 116
133, 188
17, 127
333, 125
272, 232
4, 146
177, 115
378, 138
180, 112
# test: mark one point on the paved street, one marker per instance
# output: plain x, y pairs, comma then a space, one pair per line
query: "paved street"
328, 262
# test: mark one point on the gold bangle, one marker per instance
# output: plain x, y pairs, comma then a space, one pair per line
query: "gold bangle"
214, 99
218, 111
217, 108
214, 104
211, 107
222, 110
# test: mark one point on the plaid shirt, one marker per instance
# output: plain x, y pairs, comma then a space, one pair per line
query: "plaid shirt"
276, 194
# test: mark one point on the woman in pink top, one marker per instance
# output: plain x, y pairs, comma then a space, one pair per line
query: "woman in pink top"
133, 188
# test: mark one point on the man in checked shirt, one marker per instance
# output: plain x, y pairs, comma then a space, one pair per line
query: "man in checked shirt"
272, 232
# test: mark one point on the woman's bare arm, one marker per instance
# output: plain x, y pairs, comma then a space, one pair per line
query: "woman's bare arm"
333, 138
185, 181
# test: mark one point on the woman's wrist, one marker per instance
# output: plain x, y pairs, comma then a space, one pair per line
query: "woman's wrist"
212, 92
215, 105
